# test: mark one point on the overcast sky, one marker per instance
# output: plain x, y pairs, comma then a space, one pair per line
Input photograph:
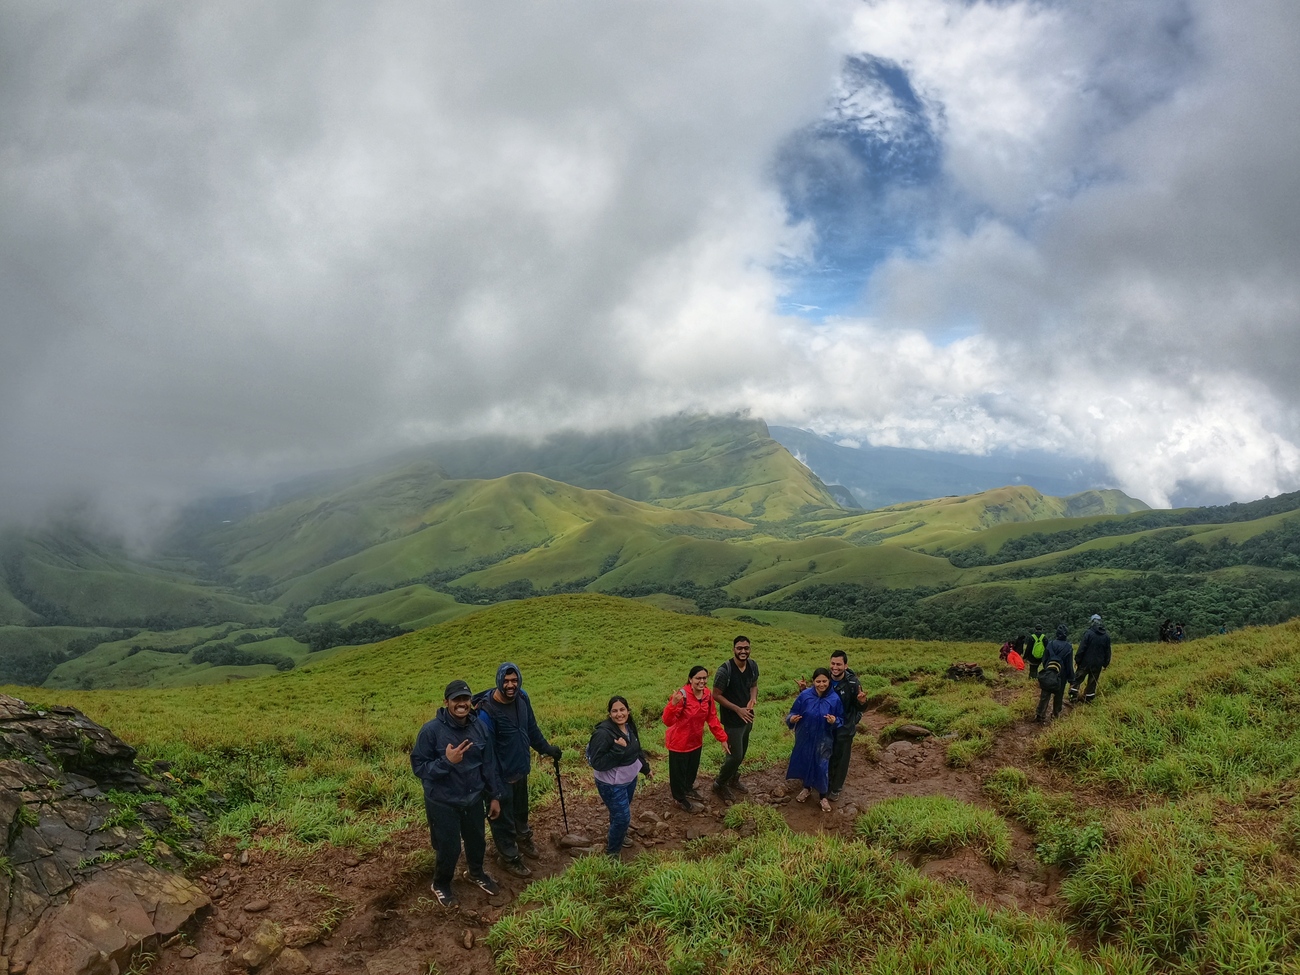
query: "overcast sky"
240, 241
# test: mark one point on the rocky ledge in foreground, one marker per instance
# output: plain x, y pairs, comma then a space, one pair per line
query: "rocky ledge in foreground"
89, 861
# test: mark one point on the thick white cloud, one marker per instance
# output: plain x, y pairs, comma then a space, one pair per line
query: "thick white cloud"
239, 241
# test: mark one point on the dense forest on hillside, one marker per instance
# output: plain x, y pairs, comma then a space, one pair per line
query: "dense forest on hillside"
1132, 607
1044, 543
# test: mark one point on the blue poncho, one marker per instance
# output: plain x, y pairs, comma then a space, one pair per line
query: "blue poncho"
813, 737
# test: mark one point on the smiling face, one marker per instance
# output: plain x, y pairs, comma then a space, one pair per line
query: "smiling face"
699, 682
618, 713
510, 685
741, 651
838, 666
459, 708
822, 683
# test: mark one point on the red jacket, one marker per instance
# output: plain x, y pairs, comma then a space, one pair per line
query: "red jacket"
686, 721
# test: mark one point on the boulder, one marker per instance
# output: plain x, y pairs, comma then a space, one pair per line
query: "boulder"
62, 907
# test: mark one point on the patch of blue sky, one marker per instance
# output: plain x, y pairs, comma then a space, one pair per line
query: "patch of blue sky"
868, 178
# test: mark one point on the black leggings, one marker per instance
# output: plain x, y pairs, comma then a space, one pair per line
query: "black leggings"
683, 767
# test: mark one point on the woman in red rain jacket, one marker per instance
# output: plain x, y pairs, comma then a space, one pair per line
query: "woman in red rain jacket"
687, 712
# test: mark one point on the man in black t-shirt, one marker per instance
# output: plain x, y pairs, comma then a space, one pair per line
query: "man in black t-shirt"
735, 688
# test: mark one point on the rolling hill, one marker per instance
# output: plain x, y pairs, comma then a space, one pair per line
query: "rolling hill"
431, 535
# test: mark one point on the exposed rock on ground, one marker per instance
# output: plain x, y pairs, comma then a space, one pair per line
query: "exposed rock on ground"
74, 898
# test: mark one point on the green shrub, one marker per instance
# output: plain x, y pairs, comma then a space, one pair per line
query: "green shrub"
936, 826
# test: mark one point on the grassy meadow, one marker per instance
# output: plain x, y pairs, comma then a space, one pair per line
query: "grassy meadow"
1170, 803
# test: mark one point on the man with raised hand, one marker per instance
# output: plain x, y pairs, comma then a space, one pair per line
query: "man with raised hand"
1092, 657
508, 715
453, 758
853, 698
735, 688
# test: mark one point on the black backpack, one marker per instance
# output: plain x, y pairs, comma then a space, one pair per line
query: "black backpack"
1049, 678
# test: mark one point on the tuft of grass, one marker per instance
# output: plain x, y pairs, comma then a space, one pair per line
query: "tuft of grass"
936, 826
1173, 888
776, 902
752, 818
1067, 835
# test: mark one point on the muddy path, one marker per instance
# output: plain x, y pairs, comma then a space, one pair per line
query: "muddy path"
374, 914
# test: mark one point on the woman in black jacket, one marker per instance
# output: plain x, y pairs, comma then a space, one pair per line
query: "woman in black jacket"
615, 753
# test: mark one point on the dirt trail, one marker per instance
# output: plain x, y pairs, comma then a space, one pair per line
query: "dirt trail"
374, 915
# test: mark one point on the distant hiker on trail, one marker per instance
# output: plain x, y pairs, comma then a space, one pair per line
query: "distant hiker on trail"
1004, 651
1180, 632
453, 758
1057, 672
1092, 657
735, 685
1036, 648
814, 716
616, 756
508, 715
1166, 632
686, 713
853, 702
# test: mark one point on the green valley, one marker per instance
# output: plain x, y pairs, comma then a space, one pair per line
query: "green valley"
701, 514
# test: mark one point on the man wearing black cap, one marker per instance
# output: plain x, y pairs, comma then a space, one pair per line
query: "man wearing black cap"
453, 759
1092, 657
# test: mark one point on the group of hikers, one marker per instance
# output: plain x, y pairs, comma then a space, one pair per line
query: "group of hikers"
1056, 665
474, 757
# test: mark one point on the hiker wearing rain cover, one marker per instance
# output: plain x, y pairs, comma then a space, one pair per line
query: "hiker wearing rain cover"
453, 759
1092, 658
1036, 650
1058, 670
507, 714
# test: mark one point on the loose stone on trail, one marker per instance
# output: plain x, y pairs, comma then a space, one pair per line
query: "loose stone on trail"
571, 840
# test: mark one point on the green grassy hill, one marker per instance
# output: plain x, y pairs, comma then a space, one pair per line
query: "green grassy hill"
1166, 809
710, 513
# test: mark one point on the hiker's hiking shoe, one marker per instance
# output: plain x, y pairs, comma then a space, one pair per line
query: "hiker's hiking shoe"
444, 895
735, 785
722, 792
484, 883
693, 793
690, 806
528, 848
517, 867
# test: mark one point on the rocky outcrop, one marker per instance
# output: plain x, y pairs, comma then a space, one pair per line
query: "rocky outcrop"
78, 822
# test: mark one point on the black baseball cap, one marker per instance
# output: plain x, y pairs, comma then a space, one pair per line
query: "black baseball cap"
457, 688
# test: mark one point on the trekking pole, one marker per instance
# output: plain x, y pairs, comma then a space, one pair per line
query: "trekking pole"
559, 782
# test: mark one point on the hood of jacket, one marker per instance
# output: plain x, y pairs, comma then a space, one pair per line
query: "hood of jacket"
1063, 632
504, 669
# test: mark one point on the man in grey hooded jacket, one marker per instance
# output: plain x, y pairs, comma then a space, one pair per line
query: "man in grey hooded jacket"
508, 716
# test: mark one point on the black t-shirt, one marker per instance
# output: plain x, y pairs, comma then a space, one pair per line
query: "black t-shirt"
734, 684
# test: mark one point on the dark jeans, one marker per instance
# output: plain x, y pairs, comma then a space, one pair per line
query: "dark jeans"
1092, 675
1057, 697
683, 767
841, 752
1033, 666
738, 739
618, 799
513, 821
448, 826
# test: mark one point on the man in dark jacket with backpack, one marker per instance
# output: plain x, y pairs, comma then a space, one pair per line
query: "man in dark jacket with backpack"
507, 713
1057, 671
453, 759
1092, 658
